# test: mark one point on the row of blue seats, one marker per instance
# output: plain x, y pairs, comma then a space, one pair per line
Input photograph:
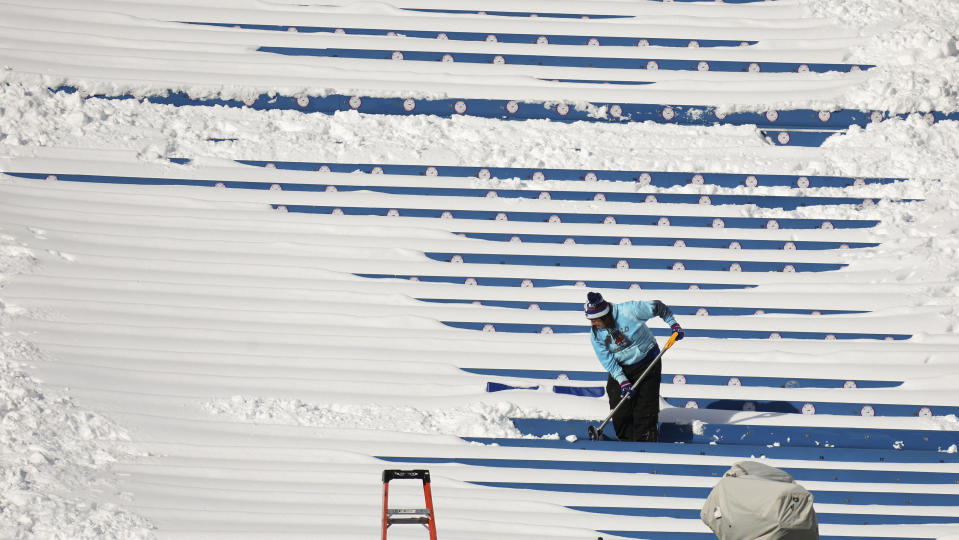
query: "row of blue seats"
762, 435
777, 406
826, 122
746, 450
569, 261
498, 37
623, 219
650, 63
680, 378
481, 281
643, 178
762, 201
807, 407
521, 328
678, 310
712, 243
821, 496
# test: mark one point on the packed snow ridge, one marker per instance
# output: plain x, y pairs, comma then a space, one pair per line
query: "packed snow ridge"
474, 420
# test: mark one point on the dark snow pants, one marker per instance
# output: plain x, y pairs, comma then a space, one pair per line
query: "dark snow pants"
637, 419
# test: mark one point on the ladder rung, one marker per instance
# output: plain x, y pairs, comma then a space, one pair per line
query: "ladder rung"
421, 520
408, 511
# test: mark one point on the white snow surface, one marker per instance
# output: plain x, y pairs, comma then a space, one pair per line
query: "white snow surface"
55, 479
186, 362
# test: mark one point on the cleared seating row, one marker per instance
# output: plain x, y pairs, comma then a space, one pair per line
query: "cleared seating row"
673, 396
760, 435
811, 407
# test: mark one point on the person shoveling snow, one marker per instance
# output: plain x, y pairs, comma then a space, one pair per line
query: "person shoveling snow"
628, 351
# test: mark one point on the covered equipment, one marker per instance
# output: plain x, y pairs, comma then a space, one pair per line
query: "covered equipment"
754, 501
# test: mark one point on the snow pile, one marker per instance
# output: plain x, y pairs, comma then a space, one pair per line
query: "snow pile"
35, 117
914, 43
53, 456
30, 115
53, 460
928, 230
474, 420
14, 259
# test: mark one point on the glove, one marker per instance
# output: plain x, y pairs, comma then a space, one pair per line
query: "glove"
678, 330
626, 390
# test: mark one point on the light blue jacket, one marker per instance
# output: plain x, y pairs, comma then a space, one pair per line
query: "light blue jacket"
631, 340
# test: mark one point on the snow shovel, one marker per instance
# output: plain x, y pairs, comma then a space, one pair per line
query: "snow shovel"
596, 433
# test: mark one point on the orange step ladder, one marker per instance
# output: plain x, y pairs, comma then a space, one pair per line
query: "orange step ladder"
424, 516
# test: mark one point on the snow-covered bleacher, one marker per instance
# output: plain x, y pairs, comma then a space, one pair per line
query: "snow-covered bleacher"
229, 304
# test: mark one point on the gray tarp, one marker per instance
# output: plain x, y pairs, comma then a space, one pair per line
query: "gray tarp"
754, 501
